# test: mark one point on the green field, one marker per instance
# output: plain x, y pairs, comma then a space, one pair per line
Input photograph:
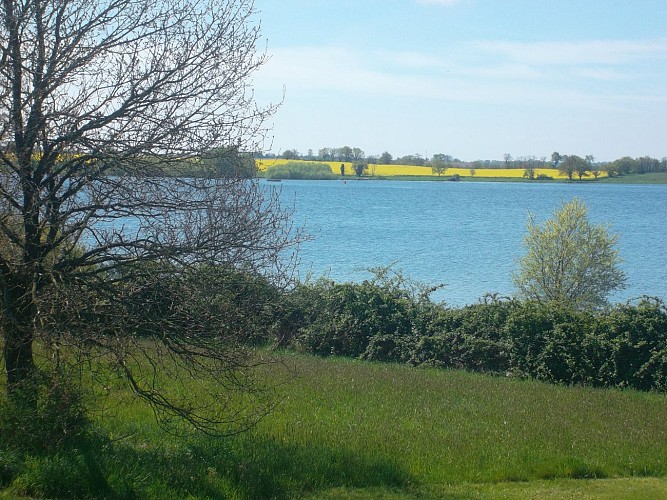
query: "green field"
653, 178
359, 430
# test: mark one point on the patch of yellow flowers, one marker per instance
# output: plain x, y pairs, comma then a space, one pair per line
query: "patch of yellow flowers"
394, 170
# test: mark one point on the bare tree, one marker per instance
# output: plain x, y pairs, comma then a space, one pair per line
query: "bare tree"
508, 159
104, 243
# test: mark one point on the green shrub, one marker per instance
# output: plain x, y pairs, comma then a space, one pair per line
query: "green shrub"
348, 315
214, 301
554, 343
378, 320
45, 412
300, 170
471, 338
636, 336
384, 319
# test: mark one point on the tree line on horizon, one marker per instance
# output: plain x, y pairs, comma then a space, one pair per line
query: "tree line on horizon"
569, 165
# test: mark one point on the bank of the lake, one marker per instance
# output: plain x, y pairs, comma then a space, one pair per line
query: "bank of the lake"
650, 178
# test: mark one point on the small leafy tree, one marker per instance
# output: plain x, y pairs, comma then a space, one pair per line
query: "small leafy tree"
529, 172
359, 168
569, 261
568, 165
439, 167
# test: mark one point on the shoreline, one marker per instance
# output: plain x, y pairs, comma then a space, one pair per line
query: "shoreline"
638, 179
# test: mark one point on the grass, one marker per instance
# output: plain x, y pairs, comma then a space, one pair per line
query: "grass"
652, 178
359, 430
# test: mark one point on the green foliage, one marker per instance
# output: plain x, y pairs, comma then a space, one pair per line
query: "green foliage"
379, 319
636, 345
300, 170
356, 320
228, 163
569, 260
471, 338
210, 301
46, 412
384, 319
553, 343
360, 168
440, 166
571, 164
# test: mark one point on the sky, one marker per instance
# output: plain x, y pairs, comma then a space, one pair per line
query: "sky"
475, 79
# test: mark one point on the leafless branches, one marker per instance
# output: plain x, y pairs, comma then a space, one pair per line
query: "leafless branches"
105, 105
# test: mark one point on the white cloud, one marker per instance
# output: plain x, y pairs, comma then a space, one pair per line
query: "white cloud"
410, 75
596, 79
603, 52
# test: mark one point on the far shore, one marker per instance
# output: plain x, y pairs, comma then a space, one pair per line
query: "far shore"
651, 178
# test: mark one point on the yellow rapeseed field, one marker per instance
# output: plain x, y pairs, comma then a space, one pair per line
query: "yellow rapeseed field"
394, 170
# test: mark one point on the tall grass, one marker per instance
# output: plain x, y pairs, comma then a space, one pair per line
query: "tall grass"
445, 426
345, 426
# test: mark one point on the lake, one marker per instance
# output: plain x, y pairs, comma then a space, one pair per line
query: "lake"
468, 235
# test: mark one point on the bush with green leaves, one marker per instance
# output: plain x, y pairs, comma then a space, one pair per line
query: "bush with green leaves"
384, 320
46, 412
347, 316
379, 319
471, 338
569, 261
636, 340
554, 343
300, 170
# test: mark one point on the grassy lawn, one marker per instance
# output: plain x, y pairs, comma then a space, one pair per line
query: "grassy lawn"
358, 430
554, 489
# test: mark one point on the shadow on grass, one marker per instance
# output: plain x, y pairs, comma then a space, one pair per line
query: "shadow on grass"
252, 467
245, 466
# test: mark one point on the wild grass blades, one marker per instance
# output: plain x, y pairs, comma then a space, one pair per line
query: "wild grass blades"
344, 426
446, 426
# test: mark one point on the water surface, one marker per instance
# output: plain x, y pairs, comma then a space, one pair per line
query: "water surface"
468, 235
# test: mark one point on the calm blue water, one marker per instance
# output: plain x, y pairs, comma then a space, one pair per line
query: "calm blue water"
467, 235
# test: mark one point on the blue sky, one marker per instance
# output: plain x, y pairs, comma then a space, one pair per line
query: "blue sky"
472, 78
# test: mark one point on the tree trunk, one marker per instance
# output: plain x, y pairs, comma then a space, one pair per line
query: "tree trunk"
17, 329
